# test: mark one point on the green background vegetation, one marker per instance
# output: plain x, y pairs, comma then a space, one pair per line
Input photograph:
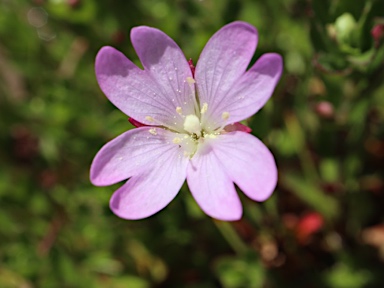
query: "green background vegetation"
324, 225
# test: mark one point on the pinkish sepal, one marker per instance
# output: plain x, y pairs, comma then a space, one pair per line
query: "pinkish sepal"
192, 67
136, 123
237, 127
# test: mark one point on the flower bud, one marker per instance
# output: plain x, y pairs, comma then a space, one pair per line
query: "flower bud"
324, 109
377, 33
345, 26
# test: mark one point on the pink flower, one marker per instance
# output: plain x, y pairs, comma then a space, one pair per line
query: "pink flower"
191, 123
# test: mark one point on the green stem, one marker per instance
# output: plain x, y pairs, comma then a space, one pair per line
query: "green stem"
307, 164
231, 236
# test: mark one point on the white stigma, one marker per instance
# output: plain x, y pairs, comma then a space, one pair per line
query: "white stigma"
204, 108
192, 124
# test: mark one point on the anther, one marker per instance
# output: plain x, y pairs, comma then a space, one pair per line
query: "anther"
204, 108
190, 80
153, 131
179, 110
149, 118
176, 140
225, 115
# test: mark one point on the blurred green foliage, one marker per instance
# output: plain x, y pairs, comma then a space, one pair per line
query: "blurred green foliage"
324, 225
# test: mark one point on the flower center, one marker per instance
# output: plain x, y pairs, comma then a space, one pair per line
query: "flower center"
192, 137
194, 134
192, 125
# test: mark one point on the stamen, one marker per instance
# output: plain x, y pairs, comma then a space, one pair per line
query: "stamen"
153, 131
176, 140
190, 80
149, 118
225, 115
179, 110
204, 108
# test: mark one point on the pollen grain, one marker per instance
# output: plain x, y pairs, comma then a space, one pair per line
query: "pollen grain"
204, 108
153, 131
225, 115
149, 118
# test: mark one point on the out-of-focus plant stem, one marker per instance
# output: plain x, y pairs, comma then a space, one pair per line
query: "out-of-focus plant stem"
296, 131
231, 236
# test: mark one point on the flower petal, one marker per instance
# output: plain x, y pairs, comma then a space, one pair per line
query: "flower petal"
165, 62
145, 194
223, 61
131, 153
249, 163
211, 186
134, 91
251, 91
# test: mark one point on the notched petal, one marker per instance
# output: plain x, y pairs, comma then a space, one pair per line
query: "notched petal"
249, 163
131, 153
147, 193
222, 62
212, 187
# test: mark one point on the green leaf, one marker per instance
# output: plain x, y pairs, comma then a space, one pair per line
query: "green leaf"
344, 276
309, 193
240, 272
